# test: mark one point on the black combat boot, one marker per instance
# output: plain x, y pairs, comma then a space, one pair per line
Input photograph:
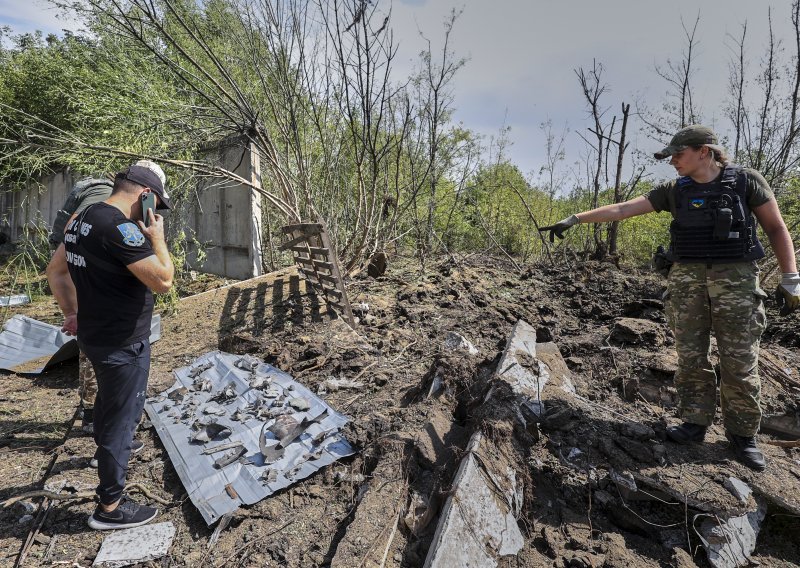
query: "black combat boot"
687, 432
747, 451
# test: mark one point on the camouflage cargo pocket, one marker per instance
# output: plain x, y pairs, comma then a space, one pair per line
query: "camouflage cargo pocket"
758, 319
668, 311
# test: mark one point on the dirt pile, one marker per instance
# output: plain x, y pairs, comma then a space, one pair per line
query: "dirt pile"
600, 487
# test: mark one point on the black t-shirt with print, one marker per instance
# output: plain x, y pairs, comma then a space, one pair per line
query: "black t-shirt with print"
114, 307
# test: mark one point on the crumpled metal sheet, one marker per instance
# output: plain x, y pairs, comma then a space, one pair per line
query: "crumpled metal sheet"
31, 346
250, 479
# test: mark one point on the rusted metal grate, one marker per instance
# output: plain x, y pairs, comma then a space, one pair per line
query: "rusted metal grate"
317, 262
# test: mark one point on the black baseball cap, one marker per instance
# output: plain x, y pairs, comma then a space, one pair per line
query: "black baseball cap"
148, 178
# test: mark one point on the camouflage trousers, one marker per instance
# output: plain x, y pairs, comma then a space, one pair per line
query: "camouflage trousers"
725, 299
88, 382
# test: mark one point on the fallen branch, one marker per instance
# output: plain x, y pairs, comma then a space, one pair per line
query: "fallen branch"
784, 443
80, 495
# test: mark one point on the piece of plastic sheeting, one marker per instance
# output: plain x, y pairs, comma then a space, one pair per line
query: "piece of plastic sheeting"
31, 346
16, 300
199, 397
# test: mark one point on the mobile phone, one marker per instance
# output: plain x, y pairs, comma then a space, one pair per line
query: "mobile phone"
148, 202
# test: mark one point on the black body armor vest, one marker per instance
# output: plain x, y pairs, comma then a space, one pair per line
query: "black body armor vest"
714, 225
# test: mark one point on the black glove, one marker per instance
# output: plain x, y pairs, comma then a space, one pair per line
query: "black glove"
662, 261
558, 229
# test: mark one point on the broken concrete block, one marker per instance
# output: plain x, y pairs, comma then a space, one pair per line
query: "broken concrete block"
457, 342
136, 545
730, 544
739, 488
477, 525
521, 370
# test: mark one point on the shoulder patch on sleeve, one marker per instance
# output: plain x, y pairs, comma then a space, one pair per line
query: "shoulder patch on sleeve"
131, 235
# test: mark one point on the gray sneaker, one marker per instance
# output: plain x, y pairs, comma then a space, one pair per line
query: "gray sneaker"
128, 514
136, 447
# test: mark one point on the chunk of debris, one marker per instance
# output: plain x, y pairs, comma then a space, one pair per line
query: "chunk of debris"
247, 362
636, 331
730, 544
206, 432
333, 384
135, 546
521, 370
477, 525
739, 488
636, 431
360, 308
457, 342
229, 458
300, 404
787, 424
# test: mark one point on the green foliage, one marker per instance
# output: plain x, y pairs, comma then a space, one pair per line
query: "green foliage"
23, 270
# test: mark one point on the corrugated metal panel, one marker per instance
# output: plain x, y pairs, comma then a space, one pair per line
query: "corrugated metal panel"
31, 346
214, 491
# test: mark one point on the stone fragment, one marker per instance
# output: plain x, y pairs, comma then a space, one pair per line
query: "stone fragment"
135, 546
637, 331
457, 342
730, 544
477, 526
739, 488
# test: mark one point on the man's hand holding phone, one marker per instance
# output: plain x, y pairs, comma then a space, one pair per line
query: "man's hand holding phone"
153, 224
148, 204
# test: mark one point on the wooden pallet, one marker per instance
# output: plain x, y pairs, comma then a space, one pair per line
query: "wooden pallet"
317, 262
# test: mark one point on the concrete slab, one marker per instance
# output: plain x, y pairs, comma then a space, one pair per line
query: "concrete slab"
521, 370
729, 543
477, 525
136, 545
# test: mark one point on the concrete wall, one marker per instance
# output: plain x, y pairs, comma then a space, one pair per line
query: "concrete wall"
34, 207
223, 219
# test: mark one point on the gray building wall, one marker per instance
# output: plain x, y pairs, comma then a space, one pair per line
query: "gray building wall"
25, 211
223, 218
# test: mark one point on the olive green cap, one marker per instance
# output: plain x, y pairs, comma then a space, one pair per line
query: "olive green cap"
693, 135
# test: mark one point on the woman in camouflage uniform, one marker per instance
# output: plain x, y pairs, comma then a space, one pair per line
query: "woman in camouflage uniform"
713, 282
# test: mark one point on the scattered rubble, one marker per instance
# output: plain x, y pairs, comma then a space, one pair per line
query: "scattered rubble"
589, 480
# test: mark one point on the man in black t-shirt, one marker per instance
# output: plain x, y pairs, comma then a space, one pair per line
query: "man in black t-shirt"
115, 262
86, 192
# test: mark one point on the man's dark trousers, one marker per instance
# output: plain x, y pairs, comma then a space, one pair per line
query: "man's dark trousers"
122, 387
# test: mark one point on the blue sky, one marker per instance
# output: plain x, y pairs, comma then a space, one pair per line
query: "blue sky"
523, 53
